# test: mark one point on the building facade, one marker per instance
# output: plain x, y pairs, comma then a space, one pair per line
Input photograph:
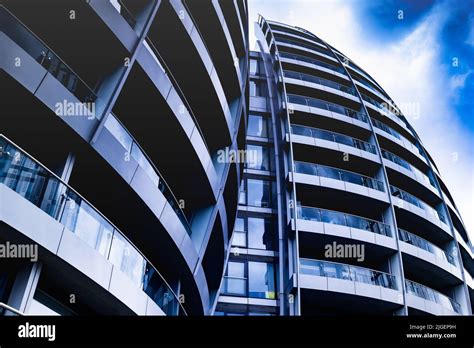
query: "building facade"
113, 196
150, 164
342, 210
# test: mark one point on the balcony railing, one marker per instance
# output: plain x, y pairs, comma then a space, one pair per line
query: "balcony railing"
343, 219
347, 272
429, 294
118, 130
319, 81
37, 49
321, 104
332, 136
421, 243
400, 161
338, 174
302, 58
312, 47
34, 182
397, 135
407, 197
382, 106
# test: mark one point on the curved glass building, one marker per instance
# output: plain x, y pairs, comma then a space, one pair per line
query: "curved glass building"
345, 211
114, 199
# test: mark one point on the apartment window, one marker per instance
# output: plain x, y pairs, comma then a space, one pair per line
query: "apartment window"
257, 89
254, 67
256, 193
253, 279
255, 233
259, 157
261, 281
259, 126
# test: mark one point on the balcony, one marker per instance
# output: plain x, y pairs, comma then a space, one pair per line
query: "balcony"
317, 133
430, 295
301, 58
401, 162
331, 287
338, 174
43, 55
343, 219
423, 244
320, 81
428, 209
35, 183
311, 47
331, 107
347, 272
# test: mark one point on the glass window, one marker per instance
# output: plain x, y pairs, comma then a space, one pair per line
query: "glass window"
253, 90
235, 280
261, 233
124, 256
258, 126
261, 280
254, 67
259, 157
258, 193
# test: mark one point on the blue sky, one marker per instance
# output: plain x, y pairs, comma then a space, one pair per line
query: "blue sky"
421, 52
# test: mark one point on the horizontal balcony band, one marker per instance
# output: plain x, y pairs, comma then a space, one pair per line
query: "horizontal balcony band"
347, 272
338, 174
343, 219
426, 293
337, 71
311, 47
322, 134
324, 105
321, 81
37, 184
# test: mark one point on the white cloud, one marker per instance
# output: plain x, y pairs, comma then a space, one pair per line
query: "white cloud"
410, 70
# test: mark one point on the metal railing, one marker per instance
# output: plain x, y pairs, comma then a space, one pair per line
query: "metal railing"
408, 197
393, 132
338, 174
321, 104
4, 308
313, 47
347, 272
432, 295
29, 178
338, 218
314, 61
37, 49
401, 162
334, 137
422, 243
319, 81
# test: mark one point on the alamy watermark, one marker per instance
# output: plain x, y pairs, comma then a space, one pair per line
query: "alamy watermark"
237, 156
345, 251
19, 251
76, 109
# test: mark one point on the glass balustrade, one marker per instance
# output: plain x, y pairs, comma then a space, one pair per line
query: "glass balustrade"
312, 47
398, 160
338, 218
334, 137
38, 50
115, 127
407, 197
347, 272
397, 135
319, 81
421, 243
429, 294
321, 104
302, 58
338, 174
31, 180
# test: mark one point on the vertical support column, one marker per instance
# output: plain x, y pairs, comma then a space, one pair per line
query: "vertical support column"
24, 286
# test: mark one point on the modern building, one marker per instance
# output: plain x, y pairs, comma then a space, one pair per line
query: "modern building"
342, 208
151, 164
114, 116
